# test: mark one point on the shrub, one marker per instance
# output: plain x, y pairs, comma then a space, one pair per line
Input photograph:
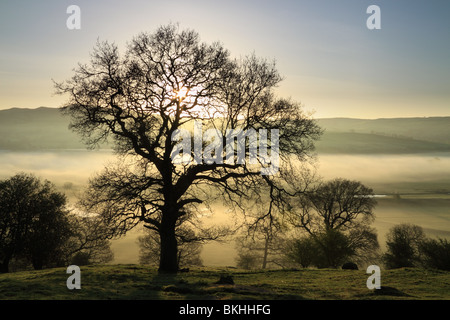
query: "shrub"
328, 249
335, 249
303, 251
350, 266
403, 243
247, 260
435, 253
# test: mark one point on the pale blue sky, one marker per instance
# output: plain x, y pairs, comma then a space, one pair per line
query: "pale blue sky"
330, 61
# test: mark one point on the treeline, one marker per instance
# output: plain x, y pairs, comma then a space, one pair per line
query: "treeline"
324, 226
38, 230
407, 246
328, 226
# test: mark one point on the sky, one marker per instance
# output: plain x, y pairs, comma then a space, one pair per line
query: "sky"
330, 60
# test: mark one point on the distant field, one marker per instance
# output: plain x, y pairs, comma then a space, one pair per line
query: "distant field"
140, 282
433, 129
366, 143
431, 212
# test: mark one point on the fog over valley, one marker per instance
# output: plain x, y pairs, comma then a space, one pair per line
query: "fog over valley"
412, 184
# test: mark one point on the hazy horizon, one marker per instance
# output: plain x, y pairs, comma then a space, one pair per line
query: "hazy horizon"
418, 179
323, 118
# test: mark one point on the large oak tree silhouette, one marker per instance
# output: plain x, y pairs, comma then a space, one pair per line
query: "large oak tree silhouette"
166, 81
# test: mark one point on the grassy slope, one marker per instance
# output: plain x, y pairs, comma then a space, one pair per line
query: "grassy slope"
141, 282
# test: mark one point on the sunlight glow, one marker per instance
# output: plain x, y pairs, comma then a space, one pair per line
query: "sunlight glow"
182, 93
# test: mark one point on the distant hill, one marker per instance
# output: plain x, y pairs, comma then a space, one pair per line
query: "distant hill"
365, 143
46, 128
36, 129
434, 129
395, 135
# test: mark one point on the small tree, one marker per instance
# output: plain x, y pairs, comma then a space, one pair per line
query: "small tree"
248, 260
262, 251
89, 243
49, 231
33, 221
336, 215
261, 241
303, 251
403, 243
323, 250
334, 249
435, 253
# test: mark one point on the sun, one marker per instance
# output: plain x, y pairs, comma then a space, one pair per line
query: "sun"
182, 93
193, 102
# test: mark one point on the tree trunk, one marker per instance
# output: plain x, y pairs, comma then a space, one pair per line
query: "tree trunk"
168, 262
266, 252
4, 266
37, 263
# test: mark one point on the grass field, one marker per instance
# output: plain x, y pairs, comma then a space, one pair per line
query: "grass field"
138, 282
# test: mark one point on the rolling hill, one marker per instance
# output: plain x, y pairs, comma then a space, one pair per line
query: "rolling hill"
366, 143
36, 129
47, 129
433, 129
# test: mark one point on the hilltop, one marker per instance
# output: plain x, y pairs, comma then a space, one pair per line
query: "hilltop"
47, 129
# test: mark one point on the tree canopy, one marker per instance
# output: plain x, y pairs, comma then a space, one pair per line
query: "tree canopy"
33, 220
37, 227
336, 217
169, 84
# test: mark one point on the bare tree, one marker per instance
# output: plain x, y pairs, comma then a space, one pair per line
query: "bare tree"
88, 243
403, 246
259, 243
164, 83
336, 204
263, 250
338, 212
